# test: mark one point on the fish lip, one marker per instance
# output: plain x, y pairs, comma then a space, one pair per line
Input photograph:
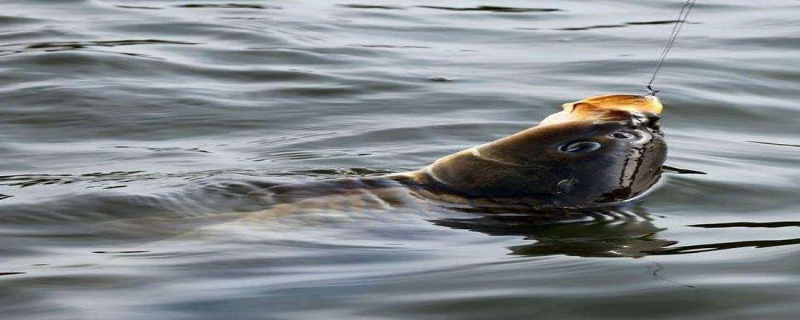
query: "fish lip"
645, 120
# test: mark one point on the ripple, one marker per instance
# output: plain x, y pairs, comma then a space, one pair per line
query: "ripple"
166, 149
776, 144
493, 9
138, 7
780, 224
121, 251
368, 6
389, 46
16, 48
227, 6
111, 43
627, 24
701, 248
12, 20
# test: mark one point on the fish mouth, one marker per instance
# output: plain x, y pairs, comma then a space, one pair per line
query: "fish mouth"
641, 110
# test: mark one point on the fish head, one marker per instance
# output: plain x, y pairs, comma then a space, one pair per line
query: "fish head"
599, 150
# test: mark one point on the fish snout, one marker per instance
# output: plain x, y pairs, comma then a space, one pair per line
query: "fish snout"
646, 120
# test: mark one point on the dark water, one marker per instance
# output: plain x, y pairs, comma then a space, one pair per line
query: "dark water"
131, 132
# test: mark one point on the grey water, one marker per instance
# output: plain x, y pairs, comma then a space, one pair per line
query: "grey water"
132, 133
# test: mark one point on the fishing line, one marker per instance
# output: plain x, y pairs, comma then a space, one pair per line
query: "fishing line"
676, 29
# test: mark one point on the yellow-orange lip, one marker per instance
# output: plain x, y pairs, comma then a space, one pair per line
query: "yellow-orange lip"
598, 107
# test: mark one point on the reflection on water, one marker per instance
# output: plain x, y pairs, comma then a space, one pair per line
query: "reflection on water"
603, 237
607, 233
136, 135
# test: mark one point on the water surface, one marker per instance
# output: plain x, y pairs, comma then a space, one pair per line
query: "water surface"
131, 133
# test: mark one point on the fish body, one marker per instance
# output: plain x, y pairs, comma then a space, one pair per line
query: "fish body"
597, 151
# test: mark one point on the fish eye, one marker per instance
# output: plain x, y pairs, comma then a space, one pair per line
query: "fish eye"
580, 147
622, 135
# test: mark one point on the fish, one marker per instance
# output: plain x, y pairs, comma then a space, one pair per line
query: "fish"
595, 152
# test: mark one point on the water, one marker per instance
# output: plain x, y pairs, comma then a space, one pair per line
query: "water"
131, 133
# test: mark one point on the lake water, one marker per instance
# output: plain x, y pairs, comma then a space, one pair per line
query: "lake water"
132, 131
